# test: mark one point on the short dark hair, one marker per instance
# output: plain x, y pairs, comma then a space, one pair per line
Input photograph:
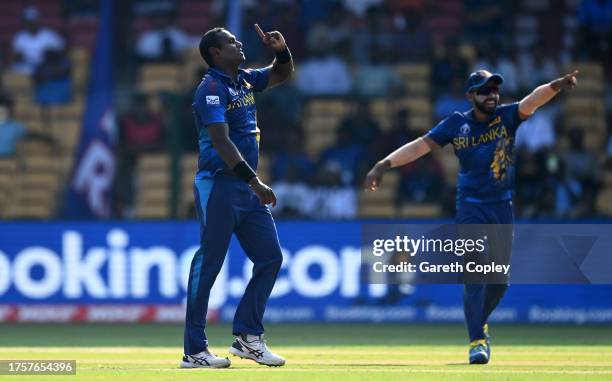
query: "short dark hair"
210, 40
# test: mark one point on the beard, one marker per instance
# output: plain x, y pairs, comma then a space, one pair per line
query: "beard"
484, 108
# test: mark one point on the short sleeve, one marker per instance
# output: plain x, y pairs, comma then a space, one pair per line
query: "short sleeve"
511, 116
442, 133
258, 78
210, 103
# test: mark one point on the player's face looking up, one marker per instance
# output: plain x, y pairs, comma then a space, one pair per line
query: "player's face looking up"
485, 98
229, 51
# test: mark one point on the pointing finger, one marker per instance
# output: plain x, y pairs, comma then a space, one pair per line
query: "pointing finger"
260, 32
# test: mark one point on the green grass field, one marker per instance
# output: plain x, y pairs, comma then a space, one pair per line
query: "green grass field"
319, 352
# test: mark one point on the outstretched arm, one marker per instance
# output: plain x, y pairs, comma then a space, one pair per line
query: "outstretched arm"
544, 93
405, 154
282, 66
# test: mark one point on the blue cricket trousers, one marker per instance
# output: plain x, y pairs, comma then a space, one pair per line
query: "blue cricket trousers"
227, 205
481, 299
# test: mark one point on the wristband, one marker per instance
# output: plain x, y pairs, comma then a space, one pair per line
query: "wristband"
284, 56
244, 171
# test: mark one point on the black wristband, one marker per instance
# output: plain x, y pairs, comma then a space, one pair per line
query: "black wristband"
244, 171
284, 56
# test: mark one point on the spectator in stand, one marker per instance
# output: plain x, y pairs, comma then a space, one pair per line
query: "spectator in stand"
538, 132
141, 131
535, 67
254, 50
285, 16
52, 79
312, 11
582, 164
146, 8
421, 181
292, 158
293, 195
375, 36
359, 125
81, 9
324, 74
332, 198
349, 154
164, 42
400, 6
447, 65
418, 183
331, 33
377, 79
410, 40
141, 128
361, 7
183, 117
609, 140
567, 192
399, 134
443, 19
11, 131
447, 102
488, 18
529, 180
31, 43
550, 188
279, 115
595, 23
292, 171
491, 58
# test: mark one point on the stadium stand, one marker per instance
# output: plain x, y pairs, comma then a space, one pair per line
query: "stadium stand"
50, 166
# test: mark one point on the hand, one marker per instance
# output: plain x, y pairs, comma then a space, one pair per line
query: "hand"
274, 40
374, 177
263, 192
568, 81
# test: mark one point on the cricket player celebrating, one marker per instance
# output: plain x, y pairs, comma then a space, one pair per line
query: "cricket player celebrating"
230, 198
483, 140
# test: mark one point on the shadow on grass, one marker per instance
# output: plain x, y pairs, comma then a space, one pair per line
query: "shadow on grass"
308, 335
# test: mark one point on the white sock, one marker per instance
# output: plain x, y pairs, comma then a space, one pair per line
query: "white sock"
250, 338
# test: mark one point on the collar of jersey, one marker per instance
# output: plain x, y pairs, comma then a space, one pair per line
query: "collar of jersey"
226, 77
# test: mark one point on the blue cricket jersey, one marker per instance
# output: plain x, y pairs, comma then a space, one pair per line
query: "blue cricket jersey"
485, 151
218, 99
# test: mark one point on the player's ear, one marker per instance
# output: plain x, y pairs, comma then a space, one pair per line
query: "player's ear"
214, 51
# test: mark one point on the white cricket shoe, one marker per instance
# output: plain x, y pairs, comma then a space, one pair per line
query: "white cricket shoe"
254, 348
205, 359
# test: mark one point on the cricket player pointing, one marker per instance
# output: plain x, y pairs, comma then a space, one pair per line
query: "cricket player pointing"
230, 198
483, 141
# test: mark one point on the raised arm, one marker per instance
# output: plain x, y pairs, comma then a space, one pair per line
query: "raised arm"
282, 66
405, 154
544, 93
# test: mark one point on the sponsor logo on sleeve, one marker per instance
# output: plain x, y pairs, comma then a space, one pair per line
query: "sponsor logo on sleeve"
212, 99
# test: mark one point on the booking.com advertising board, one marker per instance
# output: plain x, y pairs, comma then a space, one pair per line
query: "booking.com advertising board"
138, 271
